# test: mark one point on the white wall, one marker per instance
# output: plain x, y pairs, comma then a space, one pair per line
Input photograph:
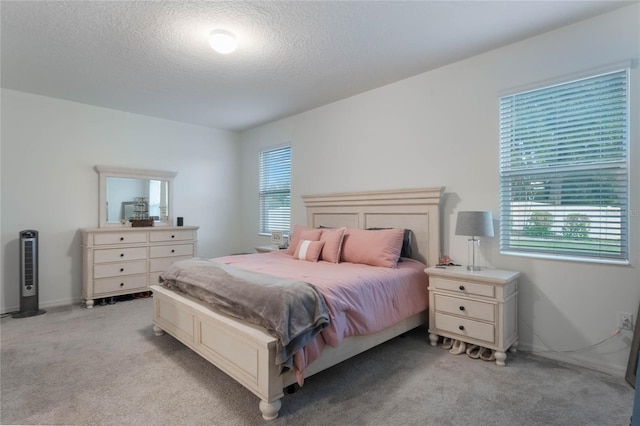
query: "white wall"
440, 128
49, 149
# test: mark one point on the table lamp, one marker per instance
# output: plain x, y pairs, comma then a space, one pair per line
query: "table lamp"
474, 224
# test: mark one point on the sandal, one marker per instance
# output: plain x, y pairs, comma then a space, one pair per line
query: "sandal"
474, 351
487, 354
447, 343
458, 347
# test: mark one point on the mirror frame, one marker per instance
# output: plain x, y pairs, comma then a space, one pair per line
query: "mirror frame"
123, 172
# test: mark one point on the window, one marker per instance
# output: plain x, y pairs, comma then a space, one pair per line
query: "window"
564, 170
275, 190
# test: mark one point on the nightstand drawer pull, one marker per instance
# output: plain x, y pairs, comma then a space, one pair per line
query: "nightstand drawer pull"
121, 284
461, 327
121, 269
461, 288
462, 308
121, 254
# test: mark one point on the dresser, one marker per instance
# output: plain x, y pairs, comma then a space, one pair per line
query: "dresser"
476, 307
118, 261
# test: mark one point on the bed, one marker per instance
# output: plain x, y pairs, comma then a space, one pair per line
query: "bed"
247, 352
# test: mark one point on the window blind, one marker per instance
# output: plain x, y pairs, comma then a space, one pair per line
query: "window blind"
275, 190
564, 170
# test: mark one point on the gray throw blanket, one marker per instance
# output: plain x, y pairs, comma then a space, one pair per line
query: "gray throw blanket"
292, 311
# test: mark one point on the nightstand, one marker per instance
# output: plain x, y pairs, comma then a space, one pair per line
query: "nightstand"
476, 307
267, 249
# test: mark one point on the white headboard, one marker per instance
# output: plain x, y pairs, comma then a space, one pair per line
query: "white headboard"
415, 209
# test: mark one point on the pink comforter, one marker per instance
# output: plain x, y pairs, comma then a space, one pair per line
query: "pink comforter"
361, 299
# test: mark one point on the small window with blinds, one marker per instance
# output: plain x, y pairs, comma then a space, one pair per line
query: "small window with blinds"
275, 190
564, 170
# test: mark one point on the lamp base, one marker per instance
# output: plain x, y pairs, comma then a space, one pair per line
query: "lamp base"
473, 254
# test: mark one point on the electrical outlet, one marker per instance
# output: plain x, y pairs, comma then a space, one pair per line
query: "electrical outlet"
625, 321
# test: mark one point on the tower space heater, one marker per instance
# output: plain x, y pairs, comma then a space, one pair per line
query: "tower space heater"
28, 275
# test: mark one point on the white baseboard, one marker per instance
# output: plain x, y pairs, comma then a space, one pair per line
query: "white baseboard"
42, 305
575, 359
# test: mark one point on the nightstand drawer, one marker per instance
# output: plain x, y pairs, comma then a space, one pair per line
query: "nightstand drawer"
465, 308
465, 327
115, 255
462, 287
173, 250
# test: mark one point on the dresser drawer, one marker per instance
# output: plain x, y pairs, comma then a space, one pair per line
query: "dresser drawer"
172, 250
462, 287
118, 269
119, 238
465, 308
162, 264
126, 283
171, 236
473, 329
119, 254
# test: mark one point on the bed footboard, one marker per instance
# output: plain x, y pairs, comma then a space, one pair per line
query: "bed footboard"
243, 351
246, 352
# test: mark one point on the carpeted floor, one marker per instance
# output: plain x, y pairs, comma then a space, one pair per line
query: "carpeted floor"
105, 366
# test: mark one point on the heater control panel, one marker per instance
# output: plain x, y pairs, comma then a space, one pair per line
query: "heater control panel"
29, 263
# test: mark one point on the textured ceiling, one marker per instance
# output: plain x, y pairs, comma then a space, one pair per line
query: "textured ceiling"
153, 58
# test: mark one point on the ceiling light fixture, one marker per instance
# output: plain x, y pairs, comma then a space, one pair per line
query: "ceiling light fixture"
222, 41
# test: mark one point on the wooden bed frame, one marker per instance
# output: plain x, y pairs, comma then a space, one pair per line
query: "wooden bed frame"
247, 352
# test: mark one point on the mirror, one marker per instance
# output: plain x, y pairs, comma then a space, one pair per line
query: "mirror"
127, 194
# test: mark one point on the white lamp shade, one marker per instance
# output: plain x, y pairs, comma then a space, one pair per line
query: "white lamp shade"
475, 224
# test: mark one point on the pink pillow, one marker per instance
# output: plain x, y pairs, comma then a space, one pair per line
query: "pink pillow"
308, 250
332, 244
311, 234
375, 248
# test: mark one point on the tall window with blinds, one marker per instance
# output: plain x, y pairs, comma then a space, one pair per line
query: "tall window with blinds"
564, 170
275, 190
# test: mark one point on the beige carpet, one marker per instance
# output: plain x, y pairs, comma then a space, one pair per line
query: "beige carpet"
105, 366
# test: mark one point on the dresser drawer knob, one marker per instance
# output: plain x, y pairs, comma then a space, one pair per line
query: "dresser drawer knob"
121, 284
173, 236
121, 254
173, 251
121, 269
461, 327
462, 308
121, 238
461, 288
